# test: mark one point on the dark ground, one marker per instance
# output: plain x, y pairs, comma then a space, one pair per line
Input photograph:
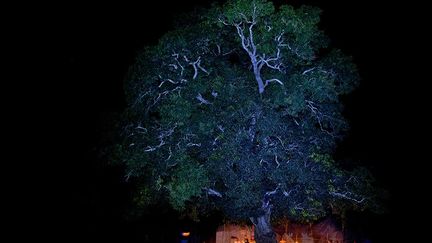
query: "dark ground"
96, 45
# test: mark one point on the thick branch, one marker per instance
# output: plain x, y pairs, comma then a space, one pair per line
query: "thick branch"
249, 46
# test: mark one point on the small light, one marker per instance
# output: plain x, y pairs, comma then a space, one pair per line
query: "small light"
185, 234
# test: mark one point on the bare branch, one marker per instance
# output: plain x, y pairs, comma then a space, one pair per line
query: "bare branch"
267, 26
141, 128
215, 140
222, 21
262, 160
170, 154
202, 69
193, 144
308, 70
295, 51
140, 97
277, 162
162, 136
348, 196
286, 194
213, 192
247, 42
297, 206
280, 140
318, 115
175, 55
269, 193
195, 69
128, 175
273, 80
229, 52
277, 66
203, 101
251, 36
166, 80
196, 65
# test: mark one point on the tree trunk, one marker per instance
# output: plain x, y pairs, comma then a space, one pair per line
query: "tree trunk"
258, 78
263, 230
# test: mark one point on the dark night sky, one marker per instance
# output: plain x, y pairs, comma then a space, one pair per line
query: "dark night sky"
96, 45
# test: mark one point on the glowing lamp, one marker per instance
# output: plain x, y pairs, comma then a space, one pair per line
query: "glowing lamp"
185, 234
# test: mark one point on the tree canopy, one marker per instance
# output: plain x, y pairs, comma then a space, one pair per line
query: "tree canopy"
238, 110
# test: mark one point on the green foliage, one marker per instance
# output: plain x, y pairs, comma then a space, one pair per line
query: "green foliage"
324, 159
196, 126
176, 110
247, 8
187, 182
144, 197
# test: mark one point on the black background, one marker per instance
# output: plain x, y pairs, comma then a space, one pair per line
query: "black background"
93, 47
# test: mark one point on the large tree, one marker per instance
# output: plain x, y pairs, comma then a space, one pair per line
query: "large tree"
238, 110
